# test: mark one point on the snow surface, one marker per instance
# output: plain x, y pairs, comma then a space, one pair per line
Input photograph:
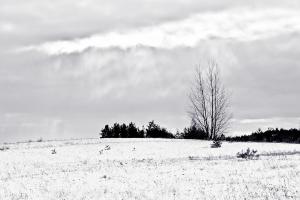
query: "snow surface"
147, 169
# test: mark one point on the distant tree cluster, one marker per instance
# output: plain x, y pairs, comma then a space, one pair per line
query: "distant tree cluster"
153, 130
192, 133
122, 131
270, 135
132, 131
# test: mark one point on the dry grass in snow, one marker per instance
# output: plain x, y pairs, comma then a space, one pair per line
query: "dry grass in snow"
147, 169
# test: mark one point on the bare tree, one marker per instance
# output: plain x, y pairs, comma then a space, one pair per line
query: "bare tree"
209, 102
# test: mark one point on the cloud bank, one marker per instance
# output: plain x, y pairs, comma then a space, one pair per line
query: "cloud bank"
235, 24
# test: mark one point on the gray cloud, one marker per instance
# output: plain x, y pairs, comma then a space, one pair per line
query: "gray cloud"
266, 77
34, 21
237, 24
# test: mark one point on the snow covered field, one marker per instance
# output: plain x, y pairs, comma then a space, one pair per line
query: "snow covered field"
147, 169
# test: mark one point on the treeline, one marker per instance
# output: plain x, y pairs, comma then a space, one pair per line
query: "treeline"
270, 135
152, 130
132, 131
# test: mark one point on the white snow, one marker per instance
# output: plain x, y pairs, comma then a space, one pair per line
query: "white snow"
147, 169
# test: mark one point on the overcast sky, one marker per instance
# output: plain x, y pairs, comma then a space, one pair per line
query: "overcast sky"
68, 67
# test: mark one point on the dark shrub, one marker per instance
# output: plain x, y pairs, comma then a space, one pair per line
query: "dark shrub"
53, 151
248, 154
124, 131
216, 143
193, 133
155, 131
134, 132
116, 130
106, 132
4, 148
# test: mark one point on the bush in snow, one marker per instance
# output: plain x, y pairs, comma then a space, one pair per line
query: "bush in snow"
216, 143
4, 148
106, 148
248, 154
53, 151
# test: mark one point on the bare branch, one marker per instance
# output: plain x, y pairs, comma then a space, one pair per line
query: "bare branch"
209, 101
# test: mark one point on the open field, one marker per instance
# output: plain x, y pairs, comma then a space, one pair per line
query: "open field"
147, 169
